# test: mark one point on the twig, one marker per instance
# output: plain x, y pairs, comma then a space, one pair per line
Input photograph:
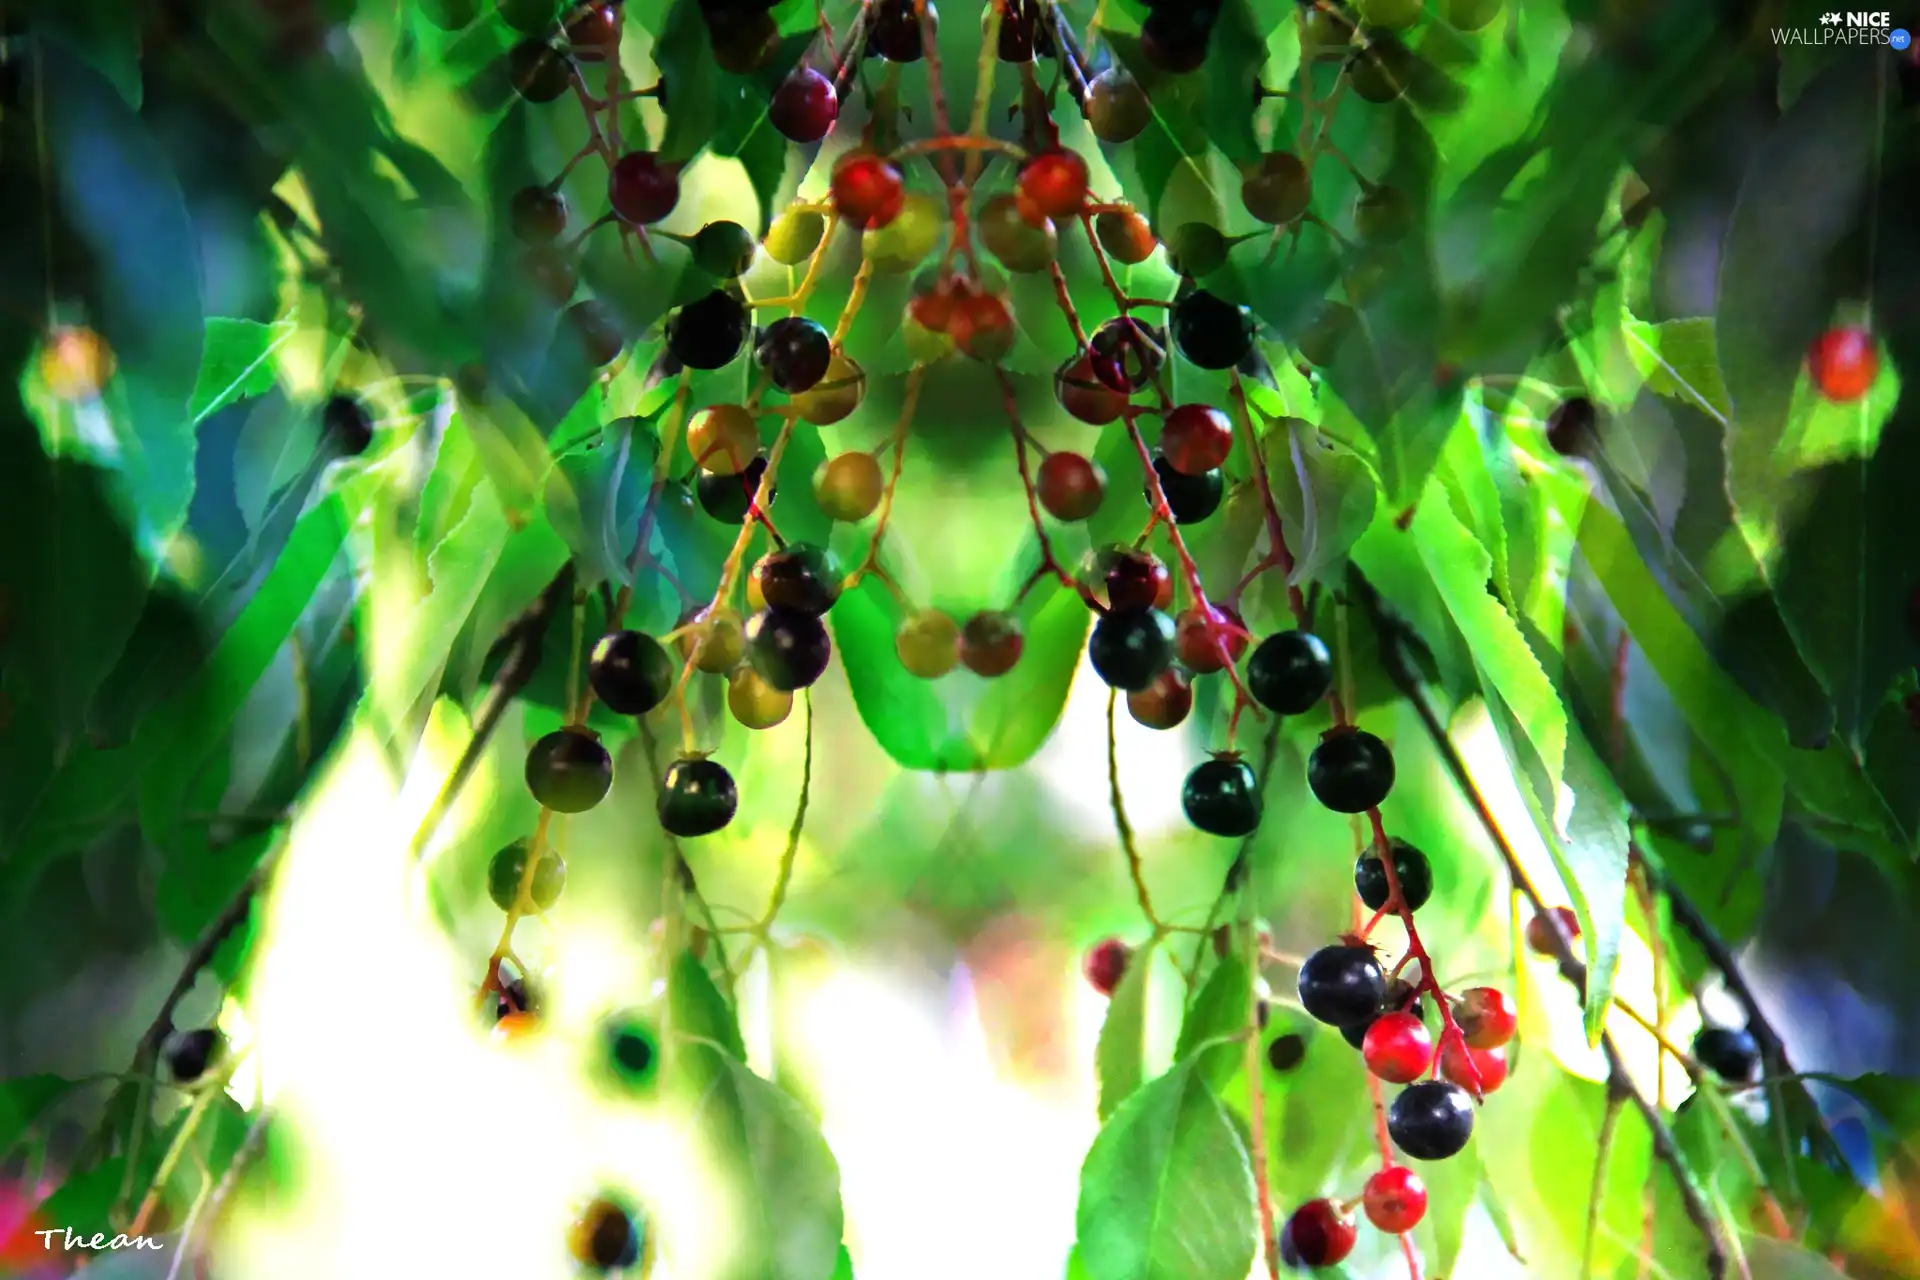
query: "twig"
785, 876
210, 1213
1125, 828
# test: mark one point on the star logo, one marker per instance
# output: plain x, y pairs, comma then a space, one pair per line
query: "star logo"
1829, 19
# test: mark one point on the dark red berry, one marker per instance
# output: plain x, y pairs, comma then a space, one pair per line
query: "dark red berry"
1843, 363
795, 351
1124, 354
697, 798
1395, 1199
1085, 396
1431, 1120
1318, 1235
1209, 640
1350, 771
537, 215
1221, 797
1196, 439
991, 643
1290, 672
593, 31
1126, 578
1342, 985
1486, 1017
1540, 934
568, 771
805, 106
1070, 486
630, 672
894, 31
1165, 703
1127, 650
799, 576
642, 189
1106, 964
1397, 1048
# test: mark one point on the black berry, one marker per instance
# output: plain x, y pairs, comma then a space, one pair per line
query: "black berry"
795, 352
788, 648
1351, 771
895, 33
1572, 426
1431, 1120
726, 498
630, 672
346, 423
1286, 1052
605, 1236
697, 798
1222, 797
1728, 1052
1210, 331
709, 332
1128, 650
1409, 864
1289, 672
509, 866
633, 1049
568, 771
1190, 499
799, 576
723, 249
1126, 354
192, 1052
1342, 985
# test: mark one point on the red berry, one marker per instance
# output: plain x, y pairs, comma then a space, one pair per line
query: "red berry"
1196, 439
1489, 1064
1486, 1016
1083, 395
1106, 964
991, 643
1053, 185
1070, 486
1397, 1048
594, 31
1395, 1199
982, 327
1164, 704
1540, 929
1318, 1235
1843, 363
1209, 641
866, 190
805, 106
1133, 578
641, 189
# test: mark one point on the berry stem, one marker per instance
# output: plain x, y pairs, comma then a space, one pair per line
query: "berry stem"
946, 142
1256, 1090
1120, 822
1048, 562
870, 563
522, 898
784, 877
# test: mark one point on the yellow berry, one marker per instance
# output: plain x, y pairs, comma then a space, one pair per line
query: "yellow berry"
723, 439
835, 396
928, 643
905, 242
755, 703
848, 487
715, 644
794, 236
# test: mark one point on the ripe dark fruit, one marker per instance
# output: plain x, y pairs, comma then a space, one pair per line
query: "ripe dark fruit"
1126, 577
743, 37
1728, 1052
1382, 70
1128, 650
1053, 184
1070, 486
1431, 1120
708, 332
1116, 106
723, 439
1165, 703
991, 643
1843, 363
1290, 672
1486, 1017
1572, 427
805, 106
1318, 1235
727, 498
1106, 964
1395, 1199
866, 190
509, 866
345, 422
723, 249
1197, 249
895, 33
1125, 236
1175, 39
641, 189
1540, 935
1342, 985
848, 486
1124, 355
192, 1052
568, 771
1397, 1048
1210, 331
788, 648
605, 1236
630, 672
1409, 864
1351, 771
1083, 395
1221, 797
795, 352
697, 798
1286, 1052
1196, 438
539, 71
633, 1049
594, 30
799, 576
1190, 499
982, 326
1277, 188
1209, 641
537, 214
598, 332
1478, 1071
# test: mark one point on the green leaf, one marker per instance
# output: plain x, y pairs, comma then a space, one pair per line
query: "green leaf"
1452, 1187
1325, 493
1770, 1259
1681, 361
1222, 1008
1166, 1192
1119, 1057
1018, 711
778, 1186
22, 1099
1593, 864
96, 31
237, 363
594, 498
697, 1010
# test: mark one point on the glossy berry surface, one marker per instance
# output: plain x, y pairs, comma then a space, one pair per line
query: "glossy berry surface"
1350, 771
799, 576
568, 771
1070, 486
728, 498
1395, 1199
509, 865
1410, 866
1277, 188
895, 32
724, 439
1106, 964
1053, 184
1210, 331
192, 1052
1431, 1120
927, 643
795, 351
537, 214
1116, 106
1129, 649
1728, 1052
1164, 704
1540, 932
697, 798
1290, 672
630, 672
866, 190
1123, 577
1572, 427
1397, 1048
848, 486
605, 1236
1124, 355
1209, 641
712, 639
709, 332
1342, 985
593, 30
836, 396
1486, 1017
1843, 364
1196, 439
991, 643
347, 425
1125, 236
723, 249
1190, 499
1478, 1071
642, 189
1222, 797
788, 648
1317, 1235
1084, 395
753, 703
805, 106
